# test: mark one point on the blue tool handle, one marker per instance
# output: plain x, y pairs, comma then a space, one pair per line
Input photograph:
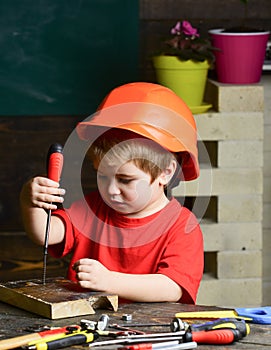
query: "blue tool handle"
261, 315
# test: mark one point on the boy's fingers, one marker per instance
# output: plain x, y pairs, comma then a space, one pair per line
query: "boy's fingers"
52, 191
45, 205
81, 262
45, 181
51, 198
85, 261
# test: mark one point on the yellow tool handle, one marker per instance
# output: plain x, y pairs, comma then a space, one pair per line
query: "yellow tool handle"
211, 314
77, 338
49, 338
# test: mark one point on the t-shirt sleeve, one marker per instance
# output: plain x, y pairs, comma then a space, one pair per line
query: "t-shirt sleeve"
183, 257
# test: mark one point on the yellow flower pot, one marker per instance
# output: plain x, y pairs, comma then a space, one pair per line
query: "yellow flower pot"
186, 78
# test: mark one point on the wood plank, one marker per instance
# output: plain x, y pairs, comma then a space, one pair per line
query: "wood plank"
58, 298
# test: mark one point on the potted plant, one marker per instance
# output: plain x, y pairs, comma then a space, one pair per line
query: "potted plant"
182, 64
241, 53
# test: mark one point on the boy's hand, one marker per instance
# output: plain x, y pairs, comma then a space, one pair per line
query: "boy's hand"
42, 192
92, 274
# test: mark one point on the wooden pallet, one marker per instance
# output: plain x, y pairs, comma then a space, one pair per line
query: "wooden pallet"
58, 298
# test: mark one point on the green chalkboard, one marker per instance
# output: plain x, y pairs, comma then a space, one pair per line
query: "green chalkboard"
60, 57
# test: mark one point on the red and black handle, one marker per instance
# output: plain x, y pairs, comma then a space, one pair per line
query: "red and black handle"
54, 162
220, 336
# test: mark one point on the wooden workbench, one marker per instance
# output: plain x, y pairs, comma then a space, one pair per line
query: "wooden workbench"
15, 322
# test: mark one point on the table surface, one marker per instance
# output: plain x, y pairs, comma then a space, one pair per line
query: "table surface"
16, 322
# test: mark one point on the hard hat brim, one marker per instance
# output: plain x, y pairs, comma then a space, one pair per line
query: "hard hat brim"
152, 121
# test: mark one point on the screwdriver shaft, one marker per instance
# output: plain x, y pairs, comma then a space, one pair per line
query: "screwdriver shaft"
45, 247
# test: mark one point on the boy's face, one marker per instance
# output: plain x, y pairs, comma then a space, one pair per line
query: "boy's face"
128, 190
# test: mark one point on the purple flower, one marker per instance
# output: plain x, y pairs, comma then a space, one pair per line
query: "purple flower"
177, 29
186, 43
187, 29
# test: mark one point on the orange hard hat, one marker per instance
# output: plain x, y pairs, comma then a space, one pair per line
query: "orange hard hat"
152, 111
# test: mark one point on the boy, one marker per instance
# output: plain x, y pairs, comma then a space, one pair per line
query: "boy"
128, 238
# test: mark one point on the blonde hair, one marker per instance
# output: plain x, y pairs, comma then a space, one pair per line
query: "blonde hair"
119, 145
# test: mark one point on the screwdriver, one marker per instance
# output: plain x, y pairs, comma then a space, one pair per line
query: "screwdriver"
223, 323
64, 341
15, 342
221, 336
170, 345
177, 324
54, 168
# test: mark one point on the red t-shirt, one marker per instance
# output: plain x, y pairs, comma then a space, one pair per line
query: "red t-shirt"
168, 242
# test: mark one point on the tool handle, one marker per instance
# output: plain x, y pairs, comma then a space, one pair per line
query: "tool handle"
54, 162
21, 340
12, 343
223, 323
142, 346
222, 336
66, 341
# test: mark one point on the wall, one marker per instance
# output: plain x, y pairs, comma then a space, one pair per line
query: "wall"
266, 81
232, 230
57, 56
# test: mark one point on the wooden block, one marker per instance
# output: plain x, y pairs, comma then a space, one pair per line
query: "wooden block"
58, 298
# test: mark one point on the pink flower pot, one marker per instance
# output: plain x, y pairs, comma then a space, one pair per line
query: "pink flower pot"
240, 57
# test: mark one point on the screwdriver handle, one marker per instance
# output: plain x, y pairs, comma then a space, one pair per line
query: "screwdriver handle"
54, 162
223, 323
66, 341
221, 336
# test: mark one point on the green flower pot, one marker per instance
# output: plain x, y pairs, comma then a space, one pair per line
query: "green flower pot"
186, 78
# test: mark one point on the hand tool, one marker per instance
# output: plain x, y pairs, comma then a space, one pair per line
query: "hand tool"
54, 168
156, 335
16, 342
260, 315
226, 334
147, 346
221, 336
190, 345
170, 345
49, 339
85, 325
141, 338
78, 338
140, 325
211, 314
177, 324
125, 328
223, 323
